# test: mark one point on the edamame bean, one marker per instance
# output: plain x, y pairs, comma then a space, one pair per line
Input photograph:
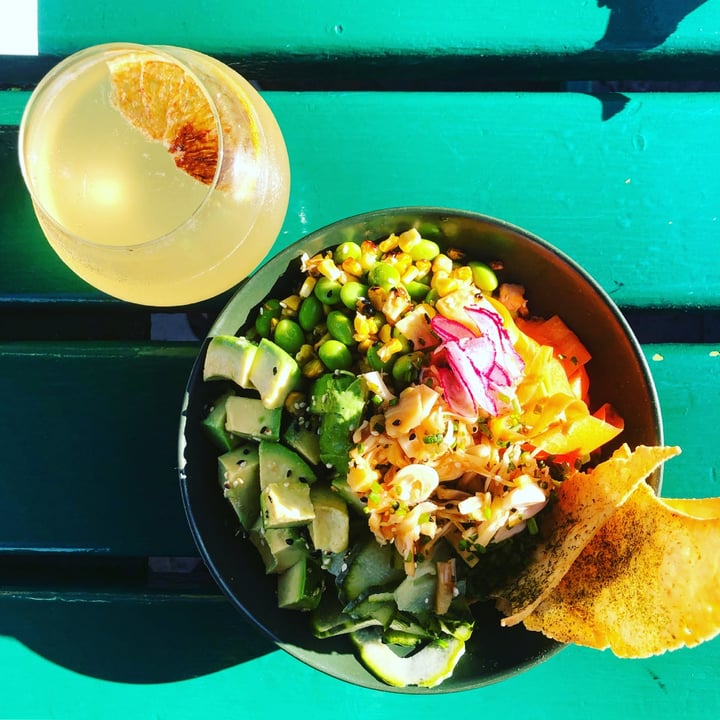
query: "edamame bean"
351, 292
310, 313
432, 297
327, 291
334, 355
289, 336
375, 361
384, 275
483, 276
406, 369
269, 311
424, 250
340, 327
417, 290
345, 251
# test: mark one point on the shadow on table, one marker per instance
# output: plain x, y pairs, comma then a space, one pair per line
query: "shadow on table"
642, 24
635, 27
127, 640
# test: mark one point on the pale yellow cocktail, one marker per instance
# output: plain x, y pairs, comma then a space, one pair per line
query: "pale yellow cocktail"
159, 175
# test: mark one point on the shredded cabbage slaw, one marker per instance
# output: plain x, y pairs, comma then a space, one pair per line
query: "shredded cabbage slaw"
462, 454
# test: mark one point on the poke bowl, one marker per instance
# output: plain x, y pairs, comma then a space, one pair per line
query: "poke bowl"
552, 285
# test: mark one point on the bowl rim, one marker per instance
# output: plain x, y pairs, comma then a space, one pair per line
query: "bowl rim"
280, 262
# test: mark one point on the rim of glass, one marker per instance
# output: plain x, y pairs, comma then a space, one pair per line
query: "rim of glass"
87, 58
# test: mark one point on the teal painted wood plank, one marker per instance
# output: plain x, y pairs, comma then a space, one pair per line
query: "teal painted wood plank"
688, 383
12, 104
89, 448
489, 27
626, 185
260, 683
629, 197
89, 445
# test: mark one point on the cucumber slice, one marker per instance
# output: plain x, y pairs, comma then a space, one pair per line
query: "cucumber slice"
427, 667
379, 606
370, 566
329, 620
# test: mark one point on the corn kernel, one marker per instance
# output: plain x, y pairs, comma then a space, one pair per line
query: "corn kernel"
291, 304
362, 327
463, 273
442, 262
389, 349
423, 266
368, 246
377, 296
352, 266
313, 369
402, 261
437, 276
329, 269
307, 287
409, 239
304, 354
410, 274
385, 333
390, 243
446, 285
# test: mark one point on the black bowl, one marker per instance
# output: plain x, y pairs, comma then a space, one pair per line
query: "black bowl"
554, 284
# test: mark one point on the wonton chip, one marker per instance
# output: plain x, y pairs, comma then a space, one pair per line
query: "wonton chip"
648, 582
583, 505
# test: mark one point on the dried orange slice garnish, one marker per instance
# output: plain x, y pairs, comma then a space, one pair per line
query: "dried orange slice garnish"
166, 103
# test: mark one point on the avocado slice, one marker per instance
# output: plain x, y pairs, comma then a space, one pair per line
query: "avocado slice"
303, 438
214, 426
274, 373
281, 464
239, 475
279, 548
249, 418
330, 528
286, 504
300, 586
229, 358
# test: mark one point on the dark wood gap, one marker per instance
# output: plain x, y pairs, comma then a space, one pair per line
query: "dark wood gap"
87, 572
473, 71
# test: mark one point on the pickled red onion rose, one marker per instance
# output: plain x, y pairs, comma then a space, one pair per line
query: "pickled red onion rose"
447, 329
490, 324
478, 372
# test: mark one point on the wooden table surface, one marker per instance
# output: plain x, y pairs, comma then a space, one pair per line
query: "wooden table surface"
595, 125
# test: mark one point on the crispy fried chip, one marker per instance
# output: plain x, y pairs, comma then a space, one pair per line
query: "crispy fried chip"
648, 582
584, 504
